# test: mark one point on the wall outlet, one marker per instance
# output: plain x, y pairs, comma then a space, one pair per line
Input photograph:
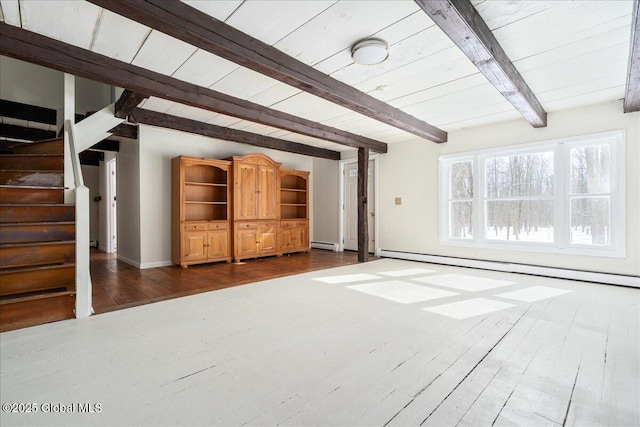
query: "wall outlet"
398, 200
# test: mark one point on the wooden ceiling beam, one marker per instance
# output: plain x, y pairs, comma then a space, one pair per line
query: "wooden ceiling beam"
461, 22
31, 47
24, 133
195, 27
91, 158
127, 102
125, 130
31, 113
107, 145
213, 131
632, 89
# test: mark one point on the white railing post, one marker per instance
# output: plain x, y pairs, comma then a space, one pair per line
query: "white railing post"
84, 306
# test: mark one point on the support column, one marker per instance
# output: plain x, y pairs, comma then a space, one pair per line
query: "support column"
363, 225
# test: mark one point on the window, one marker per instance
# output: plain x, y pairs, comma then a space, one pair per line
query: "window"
553, 196
461, 200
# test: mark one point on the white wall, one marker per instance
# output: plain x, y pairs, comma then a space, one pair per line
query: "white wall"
30, 84
129, 193
410, 170
157, 147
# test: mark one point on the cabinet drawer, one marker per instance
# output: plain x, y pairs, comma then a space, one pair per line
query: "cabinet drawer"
218, 226
288, 224
268, 224
244, 225
195, 226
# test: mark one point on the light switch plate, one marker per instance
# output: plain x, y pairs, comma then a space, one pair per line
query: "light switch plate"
398, 200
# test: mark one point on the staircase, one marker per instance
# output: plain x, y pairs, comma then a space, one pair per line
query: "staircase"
37, 237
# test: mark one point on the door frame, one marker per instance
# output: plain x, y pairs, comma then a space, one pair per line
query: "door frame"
111, 216
374, 181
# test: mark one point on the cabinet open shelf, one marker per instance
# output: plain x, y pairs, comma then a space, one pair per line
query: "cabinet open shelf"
205, 193
205, 174
201, 193
205, 184
205, 203
294, 198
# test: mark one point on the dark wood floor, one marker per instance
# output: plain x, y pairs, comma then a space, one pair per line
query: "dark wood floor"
117, 285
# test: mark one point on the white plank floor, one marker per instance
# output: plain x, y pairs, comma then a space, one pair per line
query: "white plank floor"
332, 348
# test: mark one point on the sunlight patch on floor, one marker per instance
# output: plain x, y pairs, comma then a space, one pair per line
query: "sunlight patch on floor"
404, 293
463, 282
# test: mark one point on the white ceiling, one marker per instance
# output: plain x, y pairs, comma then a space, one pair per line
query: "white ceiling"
571, 53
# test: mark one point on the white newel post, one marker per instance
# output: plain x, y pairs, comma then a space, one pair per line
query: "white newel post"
84, 306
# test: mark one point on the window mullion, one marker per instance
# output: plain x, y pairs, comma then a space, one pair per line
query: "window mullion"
562, 203
479, 206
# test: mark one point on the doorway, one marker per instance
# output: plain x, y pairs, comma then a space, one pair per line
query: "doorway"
349, 200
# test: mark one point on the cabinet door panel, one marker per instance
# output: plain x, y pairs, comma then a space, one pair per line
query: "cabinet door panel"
246, 197
194, 245
268, 192
286, 239
246, 243
301, 237
218, 244
268, 239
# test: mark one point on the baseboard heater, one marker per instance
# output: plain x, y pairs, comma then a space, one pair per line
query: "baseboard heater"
324, 245
536, 270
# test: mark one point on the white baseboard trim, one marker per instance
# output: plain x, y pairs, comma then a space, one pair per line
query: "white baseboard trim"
155, 264
131, 262
536, 270
323, 245
144, 265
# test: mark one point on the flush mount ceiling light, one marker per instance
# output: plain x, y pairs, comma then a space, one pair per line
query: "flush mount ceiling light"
370, 51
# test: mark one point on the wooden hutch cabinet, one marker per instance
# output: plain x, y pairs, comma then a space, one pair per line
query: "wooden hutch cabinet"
294, 211
256, 206
243, 207
201, 211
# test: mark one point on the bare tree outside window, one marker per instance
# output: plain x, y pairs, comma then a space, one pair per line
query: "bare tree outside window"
590, 194
519, 194
461, 200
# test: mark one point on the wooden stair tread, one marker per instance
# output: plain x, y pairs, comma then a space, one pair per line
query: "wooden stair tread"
32, 170
30, 155
18, 245
34, 223
36, 268
33, 187
35, 312
35, 205
35, 296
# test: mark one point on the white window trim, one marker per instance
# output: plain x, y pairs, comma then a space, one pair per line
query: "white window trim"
561, 245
